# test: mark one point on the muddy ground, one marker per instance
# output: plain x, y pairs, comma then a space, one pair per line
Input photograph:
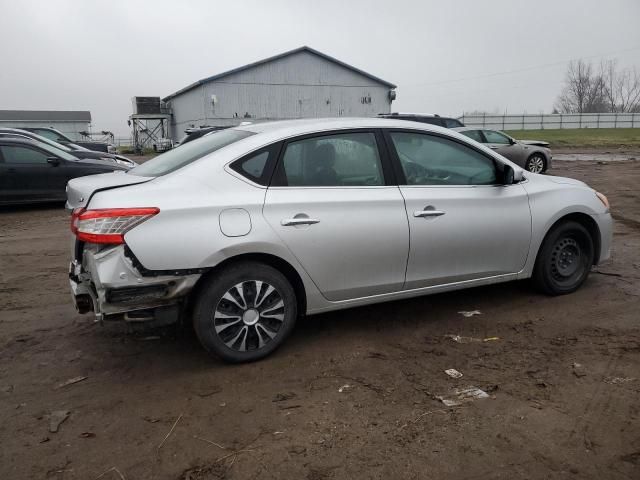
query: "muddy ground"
351, 395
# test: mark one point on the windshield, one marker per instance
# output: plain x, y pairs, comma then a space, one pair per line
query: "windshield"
189, 152
56, 151
51, 134
57, 145
73, 146
39, 138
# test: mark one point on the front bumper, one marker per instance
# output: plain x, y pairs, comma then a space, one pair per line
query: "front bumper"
605, 225
107, 283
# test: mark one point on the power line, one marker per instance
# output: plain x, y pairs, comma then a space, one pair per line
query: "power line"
508, 72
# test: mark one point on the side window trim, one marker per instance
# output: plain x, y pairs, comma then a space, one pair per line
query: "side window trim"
279, 179
399, 172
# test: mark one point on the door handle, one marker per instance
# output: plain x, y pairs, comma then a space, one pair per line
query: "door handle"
289, 222
493, 148
428, 213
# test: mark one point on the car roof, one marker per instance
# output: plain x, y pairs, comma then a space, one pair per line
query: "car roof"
16, 131
43, 128
464, 129
311, 125
409, 114
27, 141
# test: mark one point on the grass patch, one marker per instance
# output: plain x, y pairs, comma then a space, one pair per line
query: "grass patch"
583, 137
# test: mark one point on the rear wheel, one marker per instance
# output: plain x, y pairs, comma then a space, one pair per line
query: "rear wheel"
564, 260
245, 312
536, 163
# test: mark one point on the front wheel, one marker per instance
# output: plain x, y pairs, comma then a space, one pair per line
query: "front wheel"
245, 312
564, 260
536, 163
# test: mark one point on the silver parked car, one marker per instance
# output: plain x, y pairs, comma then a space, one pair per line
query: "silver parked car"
532, 155
245, 229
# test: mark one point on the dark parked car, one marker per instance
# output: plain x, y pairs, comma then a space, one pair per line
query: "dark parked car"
37, 172
446, 122
75, 150
59, 137
193, 133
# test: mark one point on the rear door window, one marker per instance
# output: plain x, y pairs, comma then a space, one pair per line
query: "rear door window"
338, 160
474, 135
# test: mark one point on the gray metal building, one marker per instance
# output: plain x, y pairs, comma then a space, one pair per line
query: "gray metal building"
71, 123
300, 83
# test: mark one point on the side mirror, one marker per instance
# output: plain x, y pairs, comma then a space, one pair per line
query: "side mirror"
517, 176
53, 161
508, 175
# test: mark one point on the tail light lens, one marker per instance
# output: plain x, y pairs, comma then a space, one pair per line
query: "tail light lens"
108, 225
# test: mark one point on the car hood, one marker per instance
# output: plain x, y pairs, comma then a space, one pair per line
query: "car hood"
566, 181
80, 190
537, 143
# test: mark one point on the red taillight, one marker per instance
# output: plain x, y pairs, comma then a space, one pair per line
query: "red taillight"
108, 225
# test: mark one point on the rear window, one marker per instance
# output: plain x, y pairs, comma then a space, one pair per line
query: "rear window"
452, 123
429, 120
190, 152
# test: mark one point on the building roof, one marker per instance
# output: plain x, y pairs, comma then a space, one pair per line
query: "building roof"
45, 115
277, 57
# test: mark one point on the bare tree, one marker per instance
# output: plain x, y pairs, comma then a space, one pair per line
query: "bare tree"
583, 91
607, 90
621, 87
608, 71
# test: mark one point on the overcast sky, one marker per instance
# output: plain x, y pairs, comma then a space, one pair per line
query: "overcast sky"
446, 57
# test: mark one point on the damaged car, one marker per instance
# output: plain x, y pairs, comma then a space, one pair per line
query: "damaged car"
244, 230
532, 155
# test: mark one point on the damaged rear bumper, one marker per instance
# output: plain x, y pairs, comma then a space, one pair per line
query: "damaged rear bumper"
107, 283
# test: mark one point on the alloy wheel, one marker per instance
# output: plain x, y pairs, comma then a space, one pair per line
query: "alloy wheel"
535, 164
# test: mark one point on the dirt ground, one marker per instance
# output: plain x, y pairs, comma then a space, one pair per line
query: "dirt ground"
351, 394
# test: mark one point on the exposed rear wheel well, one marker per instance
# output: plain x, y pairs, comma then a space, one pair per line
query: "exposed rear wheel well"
587, 222
273, 261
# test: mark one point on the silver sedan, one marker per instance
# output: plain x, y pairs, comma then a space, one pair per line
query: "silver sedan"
532, 155
245, 229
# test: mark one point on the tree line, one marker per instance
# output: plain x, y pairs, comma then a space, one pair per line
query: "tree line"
603, 88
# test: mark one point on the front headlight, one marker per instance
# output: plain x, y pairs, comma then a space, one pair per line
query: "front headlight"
603, 199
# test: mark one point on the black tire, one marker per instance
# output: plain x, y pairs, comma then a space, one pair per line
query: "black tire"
536, 163
564, 260
219, 302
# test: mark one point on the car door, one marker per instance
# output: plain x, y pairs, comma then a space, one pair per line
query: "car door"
27, 174
334, 206
502, 144
464, 224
